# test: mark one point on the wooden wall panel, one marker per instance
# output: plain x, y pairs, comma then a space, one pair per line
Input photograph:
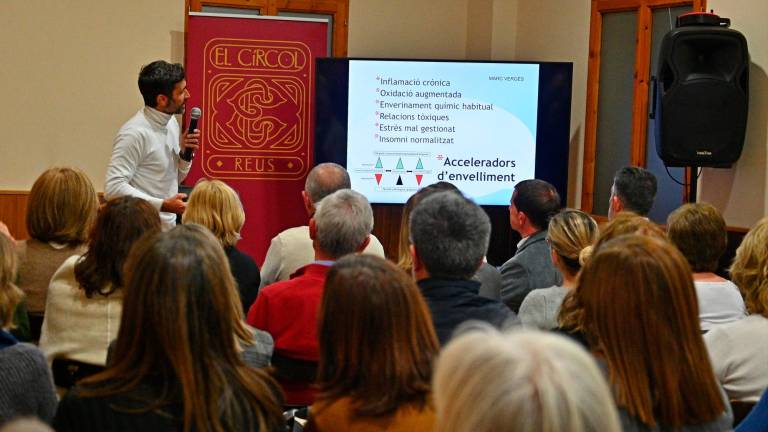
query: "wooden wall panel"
13, 208
13, 211
590, 123
386, 227
503, 240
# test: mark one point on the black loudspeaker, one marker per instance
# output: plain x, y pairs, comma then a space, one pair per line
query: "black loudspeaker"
700, 94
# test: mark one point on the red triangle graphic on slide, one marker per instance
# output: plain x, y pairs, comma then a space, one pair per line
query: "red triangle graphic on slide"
418, 178
378, 178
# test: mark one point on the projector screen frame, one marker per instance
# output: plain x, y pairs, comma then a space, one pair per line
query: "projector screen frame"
553, 114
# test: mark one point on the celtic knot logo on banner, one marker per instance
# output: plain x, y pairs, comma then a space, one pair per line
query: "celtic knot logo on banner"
256, 109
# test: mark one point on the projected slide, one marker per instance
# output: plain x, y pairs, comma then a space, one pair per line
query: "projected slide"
415, 123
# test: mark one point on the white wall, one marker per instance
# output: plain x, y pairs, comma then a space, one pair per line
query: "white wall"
504, 23
432, 29
68, 79
741, 191
554, 30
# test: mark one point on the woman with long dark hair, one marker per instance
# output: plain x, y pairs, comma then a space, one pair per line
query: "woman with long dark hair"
177, 363
377, 345
85, 296
641, 317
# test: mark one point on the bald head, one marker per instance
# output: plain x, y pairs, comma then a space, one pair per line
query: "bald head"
326, 179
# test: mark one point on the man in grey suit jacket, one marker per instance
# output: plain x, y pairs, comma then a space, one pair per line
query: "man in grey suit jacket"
533, 203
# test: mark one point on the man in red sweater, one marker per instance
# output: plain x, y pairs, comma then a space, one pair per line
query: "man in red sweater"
288, 310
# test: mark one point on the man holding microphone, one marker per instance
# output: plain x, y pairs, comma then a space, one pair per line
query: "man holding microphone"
149, 152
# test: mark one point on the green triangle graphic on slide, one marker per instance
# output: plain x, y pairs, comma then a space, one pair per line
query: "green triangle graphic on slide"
379, 164
400, 163
419, 165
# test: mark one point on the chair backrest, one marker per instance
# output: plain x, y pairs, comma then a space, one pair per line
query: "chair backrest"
296, 377
740, 410
68, 372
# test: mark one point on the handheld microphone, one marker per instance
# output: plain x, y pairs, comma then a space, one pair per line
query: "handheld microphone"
194, 116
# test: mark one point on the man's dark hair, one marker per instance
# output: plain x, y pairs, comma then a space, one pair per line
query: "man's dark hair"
539, 201
450, 234
159, 78
636, 188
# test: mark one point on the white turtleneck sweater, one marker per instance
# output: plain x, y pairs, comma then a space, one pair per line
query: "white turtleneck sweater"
145, 161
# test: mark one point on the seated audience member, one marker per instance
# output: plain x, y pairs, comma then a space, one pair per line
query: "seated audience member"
61, 209
449, 238
533, 203
217, 207
373, 383
524, 381
288, 310
19, 328
569, 233
292, 249
641, 314
26, 387
738, 350
570, 317
488, 275
634, 190
177, 362
698, 231
85, 297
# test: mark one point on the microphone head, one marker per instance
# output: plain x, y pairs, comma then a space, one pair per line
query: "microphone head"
195, 113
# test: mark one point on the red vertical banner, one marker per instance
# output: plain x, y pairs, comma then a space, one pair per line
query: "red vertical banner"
254, 79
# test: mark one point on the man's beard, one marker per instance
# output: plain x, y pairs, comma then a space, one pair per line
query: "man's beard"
178, 110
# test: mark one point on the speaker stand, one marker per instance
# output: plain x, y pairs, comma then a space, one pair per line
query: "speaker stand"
693, 184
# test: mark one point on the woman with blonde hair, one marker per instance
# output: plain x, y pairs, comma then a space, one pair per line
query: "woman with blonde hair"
570, 232
641, 317
570, 315
216, 206
26, 387
738, 349
377, 344
524, 381
61, 209
177, 358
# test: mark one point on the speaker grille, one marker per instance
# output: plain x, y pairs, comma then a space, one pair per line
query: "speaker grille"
702, 103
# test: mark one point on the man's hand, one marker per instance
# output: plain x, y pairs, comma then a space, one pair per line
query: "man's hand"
174, 204
190, 141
